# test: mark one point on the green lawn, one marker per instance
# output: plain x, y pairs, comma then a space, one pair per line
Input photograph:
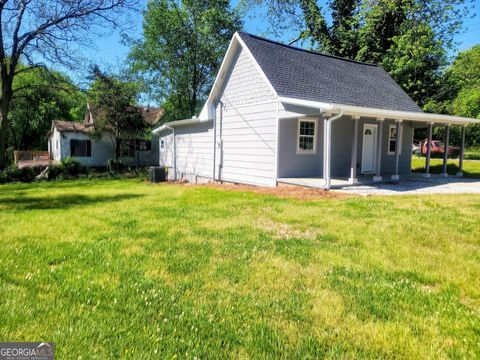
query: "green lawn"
471, 168
126, 269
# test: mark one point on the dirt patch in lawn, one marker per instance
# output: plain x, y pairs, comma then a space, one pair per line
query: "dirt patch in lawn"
283, 190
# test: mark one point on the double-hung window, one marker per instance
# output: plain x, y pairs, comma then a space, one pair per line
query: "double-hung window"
307, 136
392, 139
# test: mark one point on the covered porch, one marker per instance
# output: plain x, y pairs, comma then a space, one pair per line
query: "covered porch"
350, 146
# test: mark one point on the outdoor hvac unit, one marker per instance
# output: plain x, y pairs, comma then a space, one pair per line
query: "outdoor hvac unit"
157, 174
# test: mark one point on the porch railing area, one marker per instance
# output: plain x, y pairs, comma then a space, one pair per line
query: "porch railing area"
32, 155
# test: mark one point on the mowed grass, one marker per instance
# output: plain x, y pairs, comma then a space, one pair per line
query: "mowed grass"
471, 168
126, 269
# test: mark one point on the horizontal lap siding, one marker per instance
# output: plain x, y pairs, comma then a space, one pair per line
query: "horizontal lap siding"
194, 149
247, 126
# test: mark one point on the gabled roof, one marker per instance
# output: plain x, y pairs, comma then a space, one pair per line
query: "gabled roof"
307, 75
151, 115
70, 126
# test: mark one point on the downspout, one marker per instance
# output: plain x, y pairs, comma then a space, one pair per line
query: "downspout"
214, 143
220, 165
328, 148
174, 152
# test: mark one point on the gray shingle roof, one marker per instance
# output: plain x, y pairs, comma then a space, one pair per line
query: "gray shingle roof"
302, 74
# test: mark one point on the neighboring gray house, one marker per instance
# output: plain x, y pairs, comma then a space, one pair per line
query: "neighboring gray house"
73, 139
277, 113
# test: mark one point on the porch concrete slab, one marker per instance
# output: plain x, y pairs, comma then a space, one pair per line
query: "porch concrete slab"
417, 185
411, 184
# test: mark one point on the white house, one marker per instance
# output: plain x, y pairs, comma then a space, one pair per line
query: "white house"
73, 139
277, 113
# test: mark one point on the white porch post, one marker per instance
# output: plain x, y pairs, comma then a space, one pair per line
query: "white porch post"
445, 150
325, 148
378, 166
353, 164
398, 142
462, 151
429, 148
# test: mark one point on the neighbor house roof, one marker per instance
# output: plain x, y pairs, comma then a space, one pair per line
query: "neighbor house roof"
151, 115
307, 75
70, 126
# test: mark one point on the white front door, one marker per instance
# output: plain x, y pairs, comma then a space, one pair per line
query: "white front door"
369, 148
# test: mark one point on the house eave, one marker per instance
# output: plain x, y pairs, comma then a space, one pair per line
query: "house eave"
177, 123
381, 113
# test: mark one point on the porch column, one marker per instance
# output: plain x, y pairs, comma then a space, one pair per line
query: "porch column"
445, 151
378, 167
325, 148
462, 151
353, 164
398, 143
429, 148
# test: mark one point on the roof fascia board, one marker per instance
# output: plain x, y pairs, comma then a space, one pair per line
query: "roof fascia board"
192, 121
381, 113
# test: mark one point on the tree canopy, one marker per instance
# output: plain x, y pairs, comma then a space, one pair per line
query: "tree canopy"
409, 38
181, 50
112, 101
37, 104
36, 32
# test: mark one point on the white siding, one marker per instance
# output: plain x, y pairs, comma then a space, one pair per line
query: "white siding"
101, 150
246, 132
194, 149
245, 83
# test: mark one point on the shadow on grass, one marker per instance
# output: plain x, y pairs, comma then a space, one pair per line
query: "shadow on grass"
60, 202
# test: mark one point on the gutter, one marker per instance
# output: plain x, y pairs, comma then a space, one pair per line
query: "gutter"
384, 113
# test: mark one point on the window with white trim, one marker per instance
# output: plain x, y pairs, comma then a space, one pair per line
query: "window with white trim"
162, 144
392, 139
307, 136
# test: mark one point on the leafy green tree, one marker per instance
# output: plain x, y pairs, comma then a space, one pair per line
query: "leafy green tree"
37, 104
409, 38
181, 50
112, 103
36, 32
460, 92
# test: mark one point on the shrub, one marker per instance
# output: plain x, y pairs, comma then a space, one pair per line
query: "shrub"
14, 174
115, 166
72, 168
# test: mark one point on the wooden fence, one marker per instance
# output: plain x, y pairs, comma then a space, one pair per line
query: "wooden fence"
19, 155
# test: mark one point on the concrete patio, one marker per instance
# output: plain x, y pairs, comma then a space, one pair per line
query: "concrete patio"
412, 184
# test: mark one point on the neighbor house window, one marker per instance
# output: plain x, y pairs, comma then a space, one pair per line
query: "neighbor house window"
80, 148
144, 145
392, 139
306, 137
162, 144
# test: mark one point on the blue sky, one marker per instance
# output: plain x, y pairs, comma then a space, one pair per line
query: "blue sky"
109, 52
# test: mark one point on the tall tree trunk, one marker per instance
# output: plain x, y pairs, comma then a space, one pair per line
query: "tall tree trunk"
4, 108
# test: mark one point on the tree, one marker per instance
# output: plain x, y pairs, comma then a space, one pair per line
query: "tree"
181, 50
38, 31
33, 109
112, 101
409, 38
460, 92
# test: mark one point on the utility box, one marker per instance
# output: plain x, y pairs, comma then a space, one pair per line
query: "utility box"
157, 174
